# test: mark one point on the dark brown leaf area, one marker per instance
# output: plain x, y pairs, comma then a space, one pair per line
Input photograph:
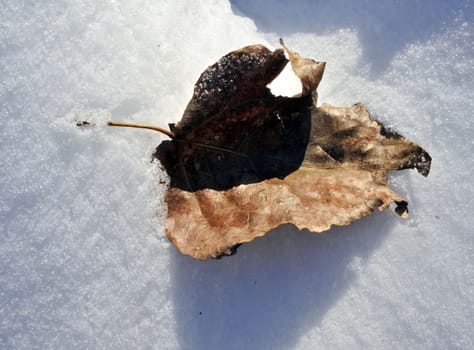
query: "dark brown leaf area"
249, 134
274, 149
244, 161
226, 90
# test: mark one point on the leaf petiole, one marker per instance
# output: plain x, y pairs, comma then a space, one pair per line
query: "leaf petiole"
172, 136
142, 126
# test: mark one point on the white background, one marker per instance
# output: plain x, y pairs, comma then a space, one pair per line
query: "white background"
84, 262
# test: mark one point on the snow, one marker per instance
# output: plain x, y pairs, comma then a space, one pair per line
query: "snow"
84, 259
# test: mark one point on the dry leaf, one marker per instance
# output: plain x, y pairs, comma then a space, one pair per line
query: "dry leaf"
273, 160
243, 161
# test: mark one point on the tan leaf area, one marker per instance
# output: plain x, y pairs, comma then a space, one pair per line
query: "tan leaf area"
210, 223
242, 161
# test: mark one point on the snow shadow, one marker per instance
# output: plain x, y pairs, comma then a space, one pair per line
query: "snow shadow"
274, 289
384, 27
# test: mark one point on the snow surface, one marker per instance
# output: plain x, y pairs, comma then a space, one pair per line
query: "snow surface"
84, 262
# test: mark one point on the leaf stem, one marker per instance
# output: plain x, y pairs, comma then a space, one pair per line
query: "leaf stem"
172, 136
142, 126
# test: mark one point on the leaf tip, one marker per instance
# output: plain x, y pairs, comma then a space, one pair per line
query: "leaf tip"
309, 71
402, 209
